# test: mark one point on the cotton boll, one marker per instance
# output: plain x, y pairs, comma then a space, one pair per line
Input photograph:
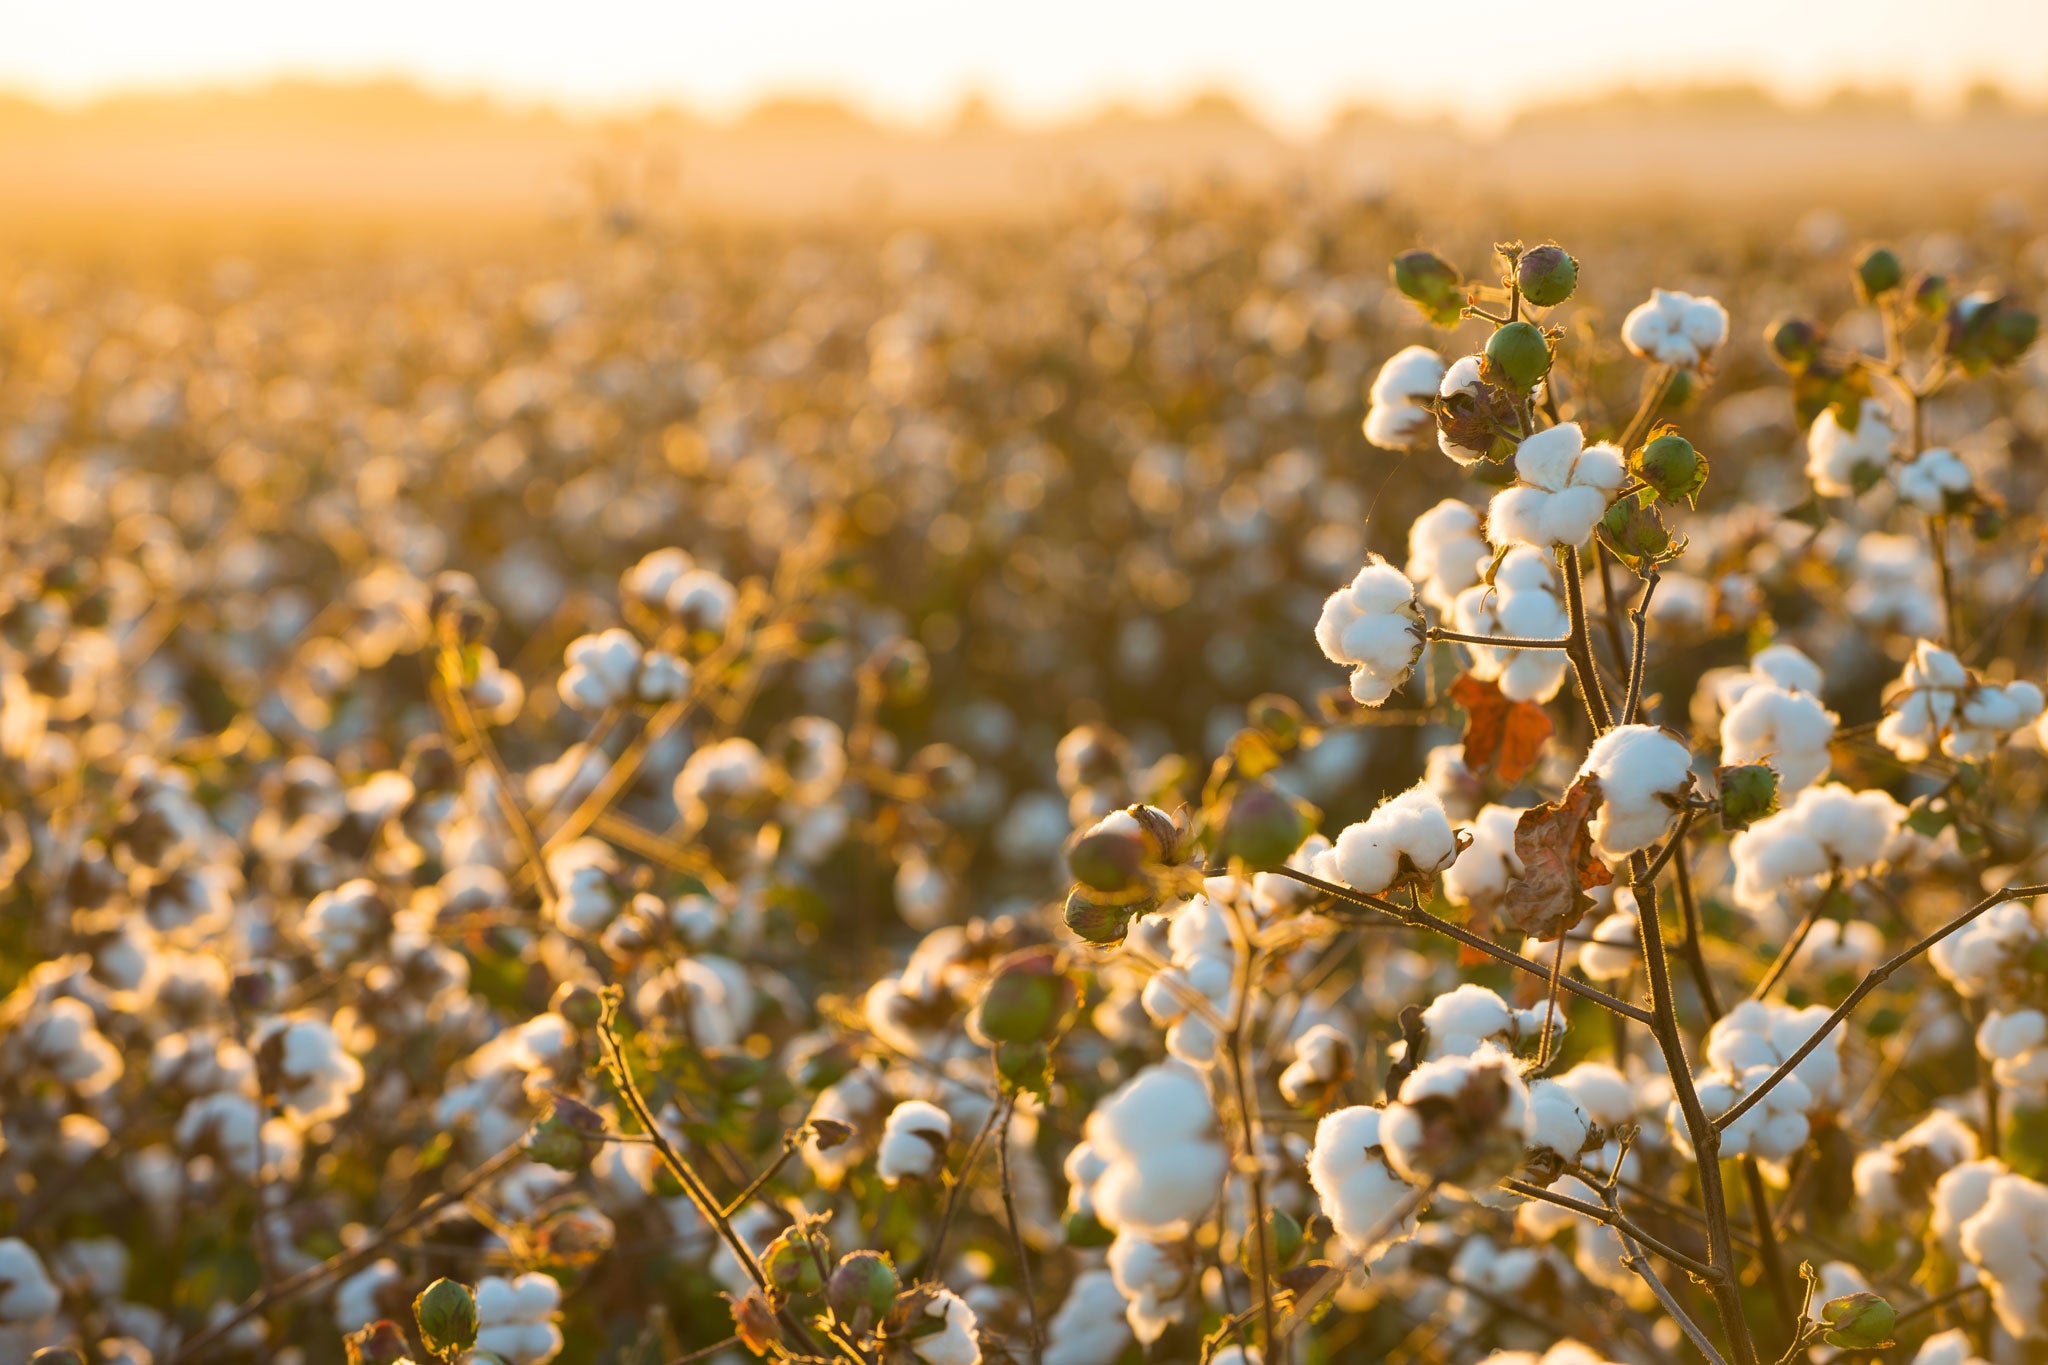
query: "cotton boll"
1395, 417
1480, 876
1892, 584
601, 670
1155, 1279
1938, 701
1674, 328
1323, 1058
1446, 552
1834, 948
358, 1299
307, 1067
1614, 946
28, 1297
2015, 1043
1461, 1121
1374, 626
2007, 1240
1948, 1348
1828, 831
515, 1318
1408, 838
1461, 378
1602, 1092
1788, 730
1089, 1327
1523, 602
1559, 1125
1157, 1134
1959, 1195
913, 1145
731, 772
956, 1342
1987, 958
1745, 1047
1357, 1190
1561, 491
1935, 481
584, 872
1838, 460
1899, 1177
1462, 1020
1644, 776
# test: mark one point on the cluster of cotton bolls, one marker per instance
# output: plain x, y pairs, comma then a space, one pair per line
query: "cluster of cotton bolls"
1744, 1048
1827, 835
1771, 713
1938, 703
1996, 961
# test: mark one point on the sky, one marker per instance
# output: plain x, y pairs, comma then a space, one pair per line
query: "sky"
1295, 61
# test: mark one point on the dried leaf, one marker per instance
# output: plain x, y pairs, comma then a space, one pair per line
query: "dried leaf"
1504, 736
1558, 863
753, 1320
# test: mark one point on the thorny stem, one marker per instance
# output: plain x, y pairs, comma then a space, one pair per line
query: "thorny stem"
1705, 1137
1422, 919
1872, 979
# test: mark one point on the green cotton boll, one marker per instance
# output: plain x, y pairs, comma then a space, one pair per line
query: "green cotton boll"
1520, 354
1547, 275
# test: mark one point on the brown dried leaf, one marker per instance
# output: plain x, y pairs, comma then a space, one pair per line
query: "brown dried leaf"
1502, 735
1558, 863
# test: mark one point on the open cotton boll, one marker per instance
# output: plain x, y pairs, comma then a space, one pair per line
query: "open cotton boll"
1461, 1121
515, 1318
1827, 831
913, 1145
1408, 838
1892, 584
1446, 552
1987, 958
600, 670
1833, 948
1602, 1092
1899, 1176
1939, 702
1323, 1056
1958, 1197
1358, 1191
1644, 776
1461, 377
1559, 1125
1374, 626
1566, 1352
2007, 1240
1765, 1032
2015, 1042
1773, 1129
312, 1073
1523, 602
1395, 417
1154, 1278
1089, 1327
1675, 328
1157, 1135
1480, 876
1934, 481
955, 1342
1561, 491
28, 1297
1838, 460
1613, 948
1788, 730
1466, 1018
1948, 1348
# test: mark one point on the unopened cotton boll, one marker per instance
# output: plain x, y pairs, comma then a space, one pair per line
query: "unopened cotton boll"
1089, 1327
1644, 775
1408, 838
1480, 876
1459, 1121
1675, 328
1446, 552
515, 1318
1374, 626
1839, 460
1524, 603
1933, 481
913, 1145
1361, 1195
2007, 1241
1395, 417
1561, 491
1788, 730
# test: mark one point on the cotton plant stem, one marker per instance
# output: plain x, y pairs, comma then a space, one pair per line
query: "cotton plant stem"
1700, 1130
1422, 919
932, 1264
1246, 971
1776, 1277
1580, 651
1498, 641
1691, 951
1783, 962
1614, 1218
1640, 657
1872, 979
1017, 1247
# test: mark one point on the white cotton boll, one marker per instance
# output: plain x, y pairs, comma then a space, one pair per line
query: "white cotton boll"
515, 1318
1948, 1348
1407, 838
1899, 1176
1461, 377
1773, 1129
1462, 1020
955, 1343
1559, 1124
1786, 857
1837, 459
1675, 328
2015, 1042
1644, 775
1374, 626
1446, 552
913, 1145
344, 924
28, 1297
314, 1074
600, 670
1322, 1057
1089, 1327
357, 1298
1835, 949
1987, 957
1485, 1139
1358, 1191
1763, 1033
1958, 1197
1892, 584
587, 894
701, 601
1394, 418
1561, 491
1523, 602
1614, 946
1786, 666
1457, 787
1165, 1166
1238, 1355
663, 677
2007, 1240
64, 1036
1939, 701
1934, 481
1154, 1279
731, 772
1480, 876
1788, 730
924, 892
1602, 1092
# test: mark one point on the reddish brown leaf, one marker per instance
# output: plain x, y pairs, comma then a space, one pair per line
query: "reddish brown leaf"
1504, 736
1558, 863
753, 1321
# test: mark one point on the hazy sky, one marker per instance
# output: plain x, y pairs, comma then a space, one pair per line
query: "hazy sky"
1293, 59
